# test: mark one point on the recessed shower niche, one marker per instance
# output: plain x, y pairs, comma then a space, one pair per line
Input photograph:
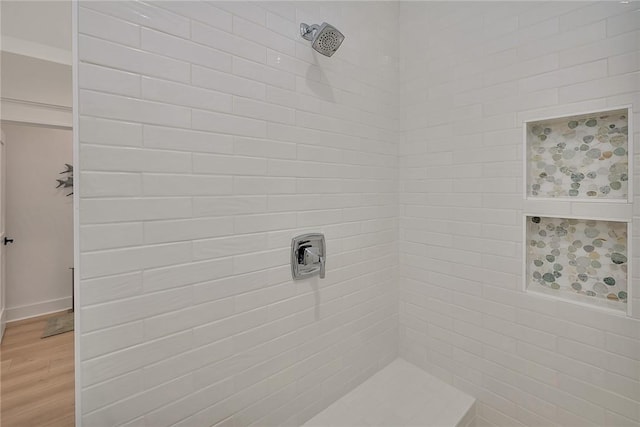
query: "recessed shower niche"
580, 157
578, 195
580, 260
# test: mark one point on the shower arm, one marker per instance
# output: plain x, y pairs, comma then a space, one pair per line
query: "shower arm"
306, 31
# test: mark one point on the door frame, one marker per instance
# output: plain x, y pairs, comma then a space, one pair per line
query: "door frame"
3, 231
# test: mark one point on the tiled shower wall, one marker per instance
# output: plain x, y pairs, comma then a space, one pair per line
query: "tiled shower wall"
210, 135
470, 75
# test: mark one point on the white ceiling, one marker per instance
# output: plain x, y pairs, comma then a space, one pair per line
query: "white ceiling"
43, 22
41, 29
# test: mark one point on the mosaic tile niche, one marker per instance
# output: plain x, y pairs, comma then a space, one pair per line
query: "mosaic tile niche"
580, 260
579, 157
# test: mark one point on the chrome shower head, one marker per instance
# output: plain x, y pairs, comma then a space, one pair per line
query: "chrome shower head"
325, 38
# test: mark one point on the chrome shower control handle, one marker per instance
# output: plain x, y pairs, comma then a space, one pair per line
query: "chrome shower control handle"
312, 256
308, 255
322, 269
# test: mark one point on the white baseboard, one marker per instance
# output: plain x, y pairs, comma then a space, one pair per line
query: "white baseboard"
37, 309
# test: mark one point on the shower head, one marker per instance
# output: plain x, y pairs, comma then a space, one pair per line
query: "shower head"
325, 38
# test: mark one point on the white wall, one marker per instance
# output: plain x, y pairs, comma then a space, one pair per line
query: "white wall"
210, 135
470, 75
39, 219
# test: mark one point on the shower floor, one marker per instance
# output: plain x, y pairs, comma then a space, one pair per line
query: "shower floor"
399, 395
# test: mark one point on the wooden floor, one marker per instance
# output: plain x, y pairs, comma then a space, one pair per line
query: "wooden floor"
36, 376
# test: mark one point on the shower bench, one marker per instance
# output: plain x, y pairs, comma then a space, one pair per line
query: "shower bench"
399, 395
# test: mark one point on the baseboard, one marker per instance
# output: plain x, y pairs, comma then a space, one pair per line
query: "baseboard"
37, 309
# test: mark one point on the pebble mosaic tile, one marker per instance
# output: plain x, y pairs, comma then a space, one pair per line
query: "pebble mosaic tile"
579, 157
577, 259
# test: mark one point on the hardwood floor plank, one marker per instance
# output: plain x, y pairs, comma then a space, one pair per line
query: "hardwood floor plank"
36, 376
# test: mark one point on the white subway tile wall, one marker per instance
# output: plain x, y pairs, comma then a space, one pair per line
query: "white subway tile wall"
470, 75
210, 135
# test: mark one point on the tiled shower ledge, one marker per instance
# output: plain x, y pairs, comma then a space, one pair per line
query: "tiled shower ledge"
400, 395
